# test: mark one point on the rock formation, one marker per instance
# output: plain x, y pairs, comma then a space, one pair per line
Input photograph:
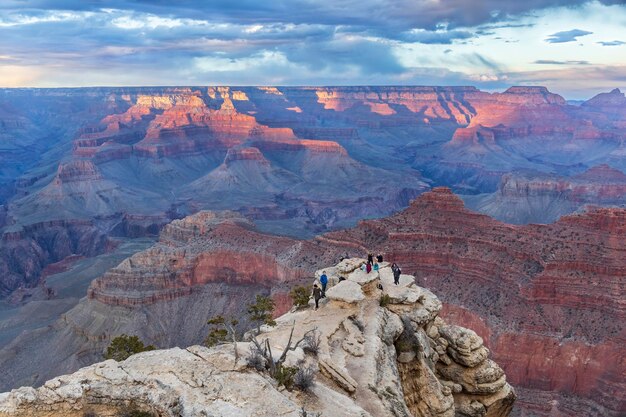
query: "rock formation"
554, 291
396, 359
534, 197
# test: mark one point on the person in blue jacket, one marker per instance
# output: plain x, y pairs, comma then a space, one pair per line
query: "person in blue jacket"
324, 282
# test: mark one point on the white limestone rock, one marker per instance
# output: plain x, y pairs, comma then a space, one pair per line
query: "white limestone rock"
346, 291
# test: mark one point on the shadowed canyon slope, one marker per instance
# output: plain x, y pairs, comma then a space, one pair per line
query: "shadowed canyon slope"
82, 168
553, 291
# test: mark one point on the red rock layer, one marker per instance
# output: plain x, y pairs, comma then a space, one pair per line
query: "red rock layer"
599, 185
206, 248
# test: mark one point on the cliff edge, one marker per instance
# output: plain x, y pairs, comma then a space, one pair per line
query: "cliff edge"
382, 352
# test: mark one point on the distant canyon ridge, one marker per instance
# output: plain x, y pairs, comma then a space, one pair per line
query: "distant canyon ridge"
81, 169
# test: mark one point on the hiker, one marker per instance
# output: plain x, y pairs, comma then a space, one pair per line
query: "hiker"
368, 267
317, 294
324, 282
376, 267
370, 258
396, 273
379, 258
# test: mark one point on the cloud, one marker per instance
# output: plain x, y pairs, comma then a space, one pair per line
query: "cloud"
435, 37
77, 42
567, 36
553, 62
397, 14
612, 43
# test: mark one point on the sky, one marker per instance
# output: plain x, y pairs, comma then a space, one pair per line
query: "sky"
576, 48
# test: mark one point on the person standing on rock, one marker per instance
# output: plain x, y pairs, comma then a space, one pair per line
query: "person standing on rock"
370, 258
317, 294
396, 273
368, 267
324, 282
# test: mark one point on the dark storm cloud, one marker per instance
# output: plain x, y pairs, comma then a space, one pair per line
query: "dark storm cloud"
567, 36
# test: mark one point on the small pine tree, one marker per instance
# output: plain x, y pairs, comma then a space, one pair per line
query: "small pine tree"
222, 331
261, 311
124, 346
300, 296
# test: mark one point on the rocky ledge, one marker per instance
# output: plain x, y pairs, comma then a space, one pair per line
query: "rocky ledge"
383, 351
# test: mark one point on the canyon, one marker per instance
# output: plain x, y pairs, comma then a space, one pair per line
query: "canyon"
123, 162
554, 291
147, 210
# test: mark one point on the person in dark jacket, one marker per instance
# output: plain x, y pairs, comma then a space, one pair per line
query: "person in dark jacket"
396, 273
379, 258
370, 258
317, 294
324, 282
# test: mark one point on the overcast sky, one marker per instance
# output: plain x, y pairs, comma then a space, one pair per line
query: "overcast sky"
575, 48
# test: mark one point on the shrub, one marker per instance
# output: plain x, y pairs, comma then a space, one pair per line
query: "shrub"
285, 376
312, 342
221, 331
255, 359
124, 346
303, 379
261, 311
385, 300
300, 296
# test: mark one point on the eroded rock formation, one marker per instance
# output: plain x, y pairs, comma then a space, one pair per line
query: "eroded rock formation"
400, 359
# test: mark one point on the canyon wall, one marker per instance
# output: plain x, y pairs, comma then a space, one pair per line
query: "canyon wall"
553, 291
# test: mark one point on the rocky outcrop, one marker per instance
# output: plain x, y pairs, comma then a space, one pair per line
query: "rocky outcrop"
553, 289
399, 359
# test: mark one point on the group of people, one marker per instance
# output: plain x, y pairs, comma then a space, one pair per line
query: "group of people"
319, 293
371, 264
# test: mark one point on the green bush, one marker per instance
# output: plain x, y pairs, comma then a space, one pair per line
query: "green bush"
285, 376
385, 300
124, 346
304, 378
261, 311
221, 331
300, 296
